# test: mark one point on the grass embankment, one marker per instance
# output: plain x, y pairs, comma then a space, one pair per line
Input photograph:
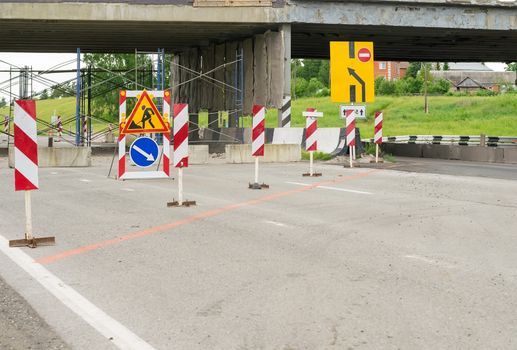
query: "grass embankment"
65, 107
448, 115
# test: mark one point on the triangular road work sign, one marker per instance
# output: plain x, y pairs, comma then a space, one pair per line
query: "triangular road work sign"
145, 118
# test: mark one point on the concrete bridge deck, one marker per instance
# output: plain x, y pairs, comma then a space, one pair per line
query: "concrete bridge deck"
409, 30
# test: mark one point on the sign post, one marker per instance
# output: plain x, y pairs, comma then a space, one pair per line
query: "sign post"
257, 142
26, 167
311, 139
181, 122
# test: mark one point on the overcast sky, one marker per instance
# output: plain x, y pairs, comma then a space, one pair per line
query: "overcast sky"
44, 61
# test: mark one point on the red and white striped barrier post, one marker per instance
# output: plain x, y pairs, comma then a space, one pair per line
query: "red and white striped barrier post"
350, 133
311, 141
377, 138
121, 136
257, 141
167, 135
180, 161
26, 165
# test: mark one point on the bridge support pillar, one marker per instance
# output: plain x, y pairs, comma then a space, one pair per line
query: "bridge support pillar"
284, 113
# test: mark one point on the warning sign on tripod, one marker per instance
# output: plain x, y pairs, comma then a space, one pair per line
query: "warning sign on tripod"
145, 118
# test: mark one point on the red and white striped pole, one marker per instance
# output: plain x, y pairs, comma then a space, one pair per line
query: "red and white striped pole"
121, 136
350, 133
311, 142
26, 164
167, 135
180, 144
377, 138
258, 139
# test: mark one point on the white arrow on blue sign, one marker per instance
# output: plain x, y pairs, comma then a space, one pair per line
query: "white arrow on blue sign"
144, 152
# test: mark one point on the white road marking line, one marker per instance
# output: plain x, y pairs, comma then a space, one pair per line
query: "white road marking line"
110, 328
127, 189
54, 173
329, 188
85, 180
297, 183
343, 190
275, 223
430, 261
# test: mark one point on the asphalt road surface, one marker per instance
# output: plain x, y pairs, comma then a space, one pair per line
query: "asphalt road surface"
356, 259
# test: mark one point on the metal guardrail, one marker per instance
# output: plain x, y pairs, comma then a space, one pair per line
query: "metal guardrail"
462, 140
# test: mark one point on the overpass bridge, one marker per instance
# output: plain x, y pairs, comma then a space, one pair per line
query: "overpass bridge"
435, 30
263, 35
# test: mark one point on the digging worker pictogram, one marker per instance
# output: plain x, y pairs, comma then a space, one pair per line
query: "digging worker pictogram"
148, 114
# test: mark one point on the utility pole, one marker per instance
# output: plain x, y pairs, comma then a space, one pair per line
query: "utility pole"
426, 103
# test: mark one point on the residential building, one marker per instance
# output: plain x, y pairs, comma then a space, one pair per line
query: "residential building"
390, 70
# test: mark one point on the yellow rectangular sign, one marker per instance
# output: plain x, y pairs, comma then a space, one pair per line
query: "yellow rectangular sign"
351, 71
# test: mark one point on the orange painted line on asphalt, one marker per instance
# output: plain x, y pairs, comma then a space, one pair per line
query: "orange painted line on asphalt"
196, 217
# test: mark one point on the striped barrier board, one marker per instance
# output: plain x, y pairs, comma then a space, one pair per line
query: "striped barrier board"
26, 167
258, 139
350, 127
257, 133
378, 128
180, 135
180, 161
311, 115
311, 142
25, 146
286, 112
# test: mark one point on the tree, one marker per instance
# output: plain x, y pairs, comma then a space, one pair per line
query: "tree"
413, 69
446, 66
512, 67
324, 73
43, 95
115, 74
3, 103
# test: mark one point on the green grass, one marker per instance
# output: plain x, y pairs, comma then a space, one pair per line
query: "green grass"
449, 115
316, 155
65, 107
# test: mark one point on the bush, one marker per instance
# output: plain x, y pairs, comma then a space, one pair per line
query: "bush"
299, 87
314, 86
486, 93
384, 87
440, 86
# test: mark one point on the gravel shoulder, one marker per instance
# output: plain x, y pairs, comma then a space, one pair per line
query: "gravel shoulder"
21, 327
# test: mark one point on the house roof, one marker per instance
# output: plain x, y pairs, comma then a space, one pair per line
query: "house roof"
470, 83
469, 66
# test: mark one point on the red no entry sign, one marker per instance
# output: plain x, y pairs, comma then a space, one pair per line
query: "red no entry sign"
364, 55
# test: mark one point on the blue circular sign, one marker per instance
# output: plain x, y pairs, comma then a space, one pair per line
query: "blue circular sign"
144, 152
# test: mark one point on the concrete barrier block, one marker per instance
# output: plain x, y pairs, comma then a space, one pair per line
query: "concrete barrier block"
52, 157
455, 152
403, 150
482, 154
436, 151
272, 153
510, 155
197, 154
